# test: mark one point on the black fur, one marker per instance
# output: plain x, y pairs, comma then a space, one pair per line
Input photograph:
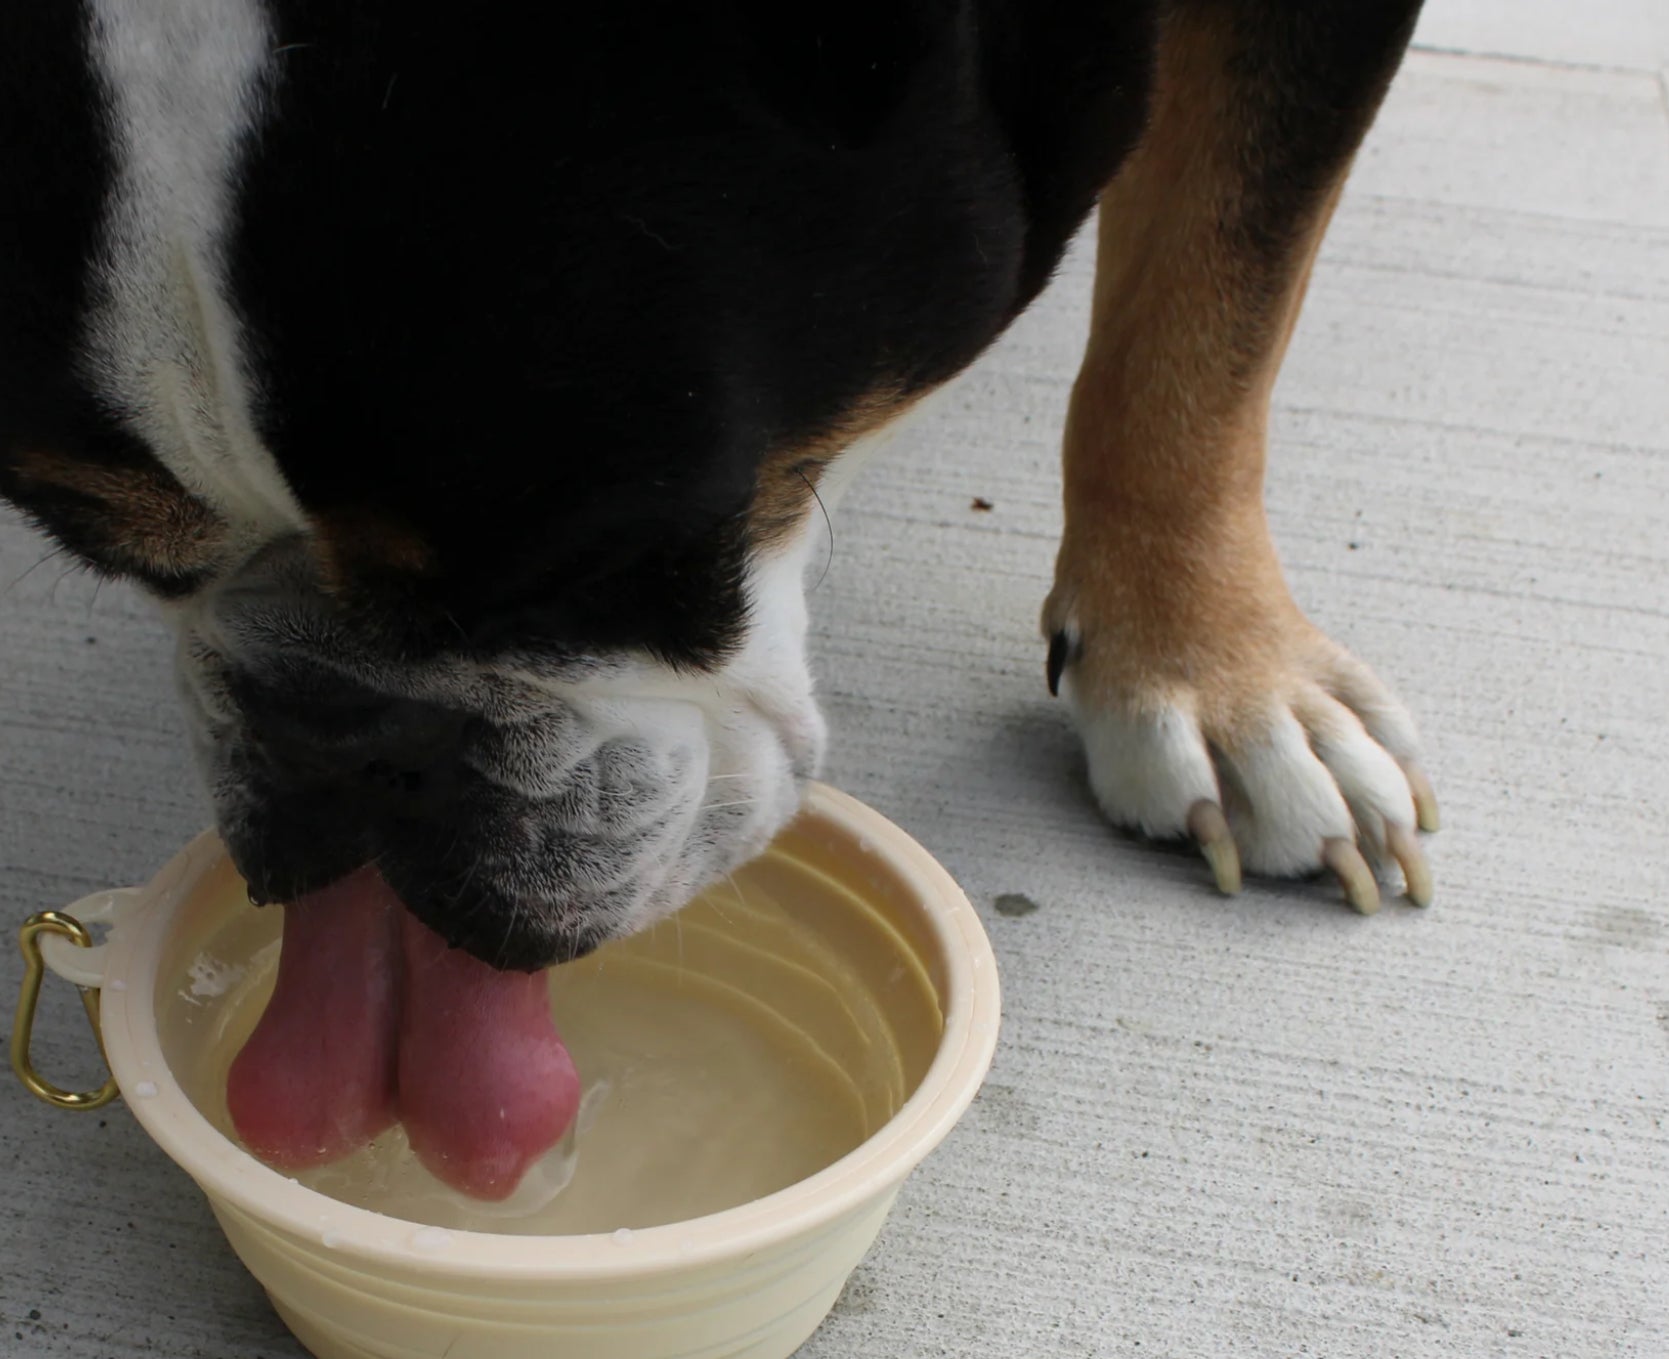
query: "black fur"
550, 291
546, 292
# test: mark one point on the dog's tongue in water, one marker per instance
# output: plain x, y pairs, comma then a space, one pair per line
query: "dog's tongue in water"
375, 1019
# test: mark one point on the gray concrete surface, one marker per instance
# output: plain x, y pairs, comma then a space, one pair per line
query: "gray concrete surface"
1258, 1127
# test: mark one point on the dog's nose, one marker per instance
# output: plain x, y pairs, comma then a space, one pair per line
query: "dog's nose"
386, 755
415, 779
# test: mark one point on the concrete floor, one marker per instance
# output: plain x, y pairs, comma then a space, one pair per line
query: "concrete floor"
1252, 1127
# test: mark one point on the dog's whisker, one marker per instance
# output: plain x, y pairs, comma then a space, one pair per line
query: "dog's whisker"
510, 927
56, 552
469, 879
829, 524
68, 571
736, 888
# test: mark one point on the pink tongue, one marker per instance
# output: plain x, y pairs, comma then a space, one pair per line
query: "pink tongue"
316, 1078
374, 1018
486, 1086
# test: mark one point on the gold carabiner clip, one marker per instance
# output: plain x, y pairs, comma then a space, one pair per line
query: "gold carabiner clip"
23, 1029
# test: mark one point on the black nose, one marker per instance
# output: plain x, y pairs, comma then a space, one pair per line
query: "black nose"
412, 781
328, 736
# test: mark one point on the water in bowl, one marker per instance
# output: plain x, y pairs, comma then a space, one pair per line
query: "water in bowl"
729, 1053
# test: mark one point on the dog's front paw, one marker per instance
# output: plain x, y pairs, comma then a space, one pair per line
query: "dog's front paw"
1257, 735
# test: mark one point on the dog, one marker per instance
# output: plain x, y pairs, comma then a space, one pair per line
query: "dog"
461, 384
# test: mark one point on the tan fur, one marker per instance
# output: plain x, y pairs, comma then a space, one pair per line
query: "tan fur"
788, 476
147, 520
1167, 578
350, 545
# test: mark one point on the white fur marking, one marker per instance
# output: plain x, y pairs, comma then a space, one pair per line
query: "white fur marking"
1369, 778
1383, 717
184, 79
750, 728
771, 666
1149, 770
1294, 803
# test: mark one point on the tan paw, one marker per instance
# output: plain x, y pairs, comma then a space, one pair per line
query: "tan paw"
1280, 751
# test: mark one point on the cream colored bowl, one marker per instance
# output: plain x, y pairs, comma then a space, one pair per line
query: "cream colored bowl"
911, 1017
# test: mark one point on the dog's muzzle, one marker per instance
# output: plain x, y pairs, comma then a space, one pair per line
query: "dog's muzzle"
525, 807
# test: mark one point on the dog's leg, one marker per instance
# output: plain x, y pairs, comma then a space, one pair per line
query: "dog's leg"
1209, 705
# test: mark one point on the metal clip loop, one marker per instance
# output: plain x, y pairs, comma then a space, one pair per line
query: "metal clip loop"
23, 1028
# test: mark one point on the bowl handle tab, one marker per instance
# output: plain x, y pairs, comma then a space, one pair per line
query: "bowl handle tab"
61, 940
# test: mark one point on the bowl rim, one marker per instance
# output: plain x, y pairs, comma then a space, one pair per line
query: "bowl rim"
876, 1167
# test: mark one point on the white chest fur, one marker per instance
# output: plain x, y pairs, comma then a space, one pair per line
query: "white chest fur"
185, 80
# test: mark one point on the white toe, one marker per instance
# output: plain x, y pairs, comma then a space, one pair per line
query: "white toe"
1282, 802
1383, 718
1147, 770
1372, 782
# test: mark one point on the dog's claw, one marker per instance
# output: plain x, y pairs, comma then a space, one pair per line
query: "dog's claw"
1060, 652
1361, 889
1425, 798
1416, 874
1208, 826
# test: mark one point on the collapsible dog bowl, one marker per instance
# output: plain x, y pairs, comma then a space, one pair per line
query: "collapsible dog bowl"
870, 970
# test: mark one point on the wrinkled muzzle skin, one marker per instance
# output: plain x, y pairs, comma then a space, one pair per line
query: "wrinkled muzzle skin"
526, 807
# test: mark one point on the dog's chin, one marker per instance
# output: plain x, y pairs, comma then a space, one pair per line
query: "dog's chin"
533, 895
528, 909
524, 883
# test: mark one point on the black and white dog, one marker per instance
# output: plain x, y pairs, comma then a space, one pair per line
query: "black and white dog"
459, 379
